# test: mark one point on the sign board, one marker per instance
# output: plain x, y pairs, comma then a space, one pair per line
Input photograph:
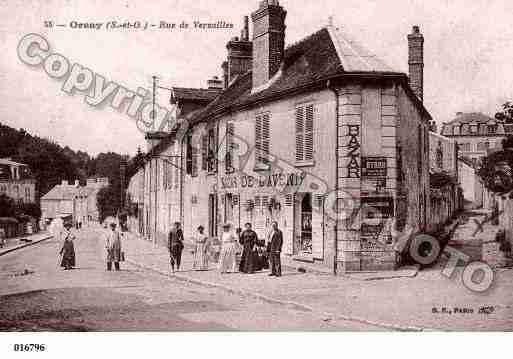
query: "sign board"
374, 173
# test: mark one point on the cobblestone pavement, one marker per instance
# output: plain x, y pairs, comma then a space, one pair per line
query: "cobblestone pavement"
37, 295
404, 303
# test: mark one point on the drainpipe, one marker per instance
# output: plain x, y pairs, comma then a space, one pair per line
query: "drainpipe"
337, 100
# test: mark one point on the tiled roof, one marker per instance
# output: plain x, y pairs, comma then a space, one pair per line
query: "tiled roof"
5, 161
193, 94
326, 53
62, 192
469, 117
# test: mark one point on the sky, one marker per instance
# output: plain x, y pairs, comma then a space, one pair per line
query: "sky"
468, 55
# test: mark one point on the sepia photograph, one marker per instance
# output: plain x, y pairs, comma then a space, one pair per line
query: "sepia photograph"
255, 166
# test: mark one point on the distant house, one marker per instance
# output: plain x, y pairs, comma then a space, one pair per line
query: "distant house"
16, 181
73, 200
476, 133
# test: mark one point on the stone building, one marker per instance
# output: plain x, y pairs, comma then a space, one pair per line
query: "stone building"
476, 133
320, 136
16, 181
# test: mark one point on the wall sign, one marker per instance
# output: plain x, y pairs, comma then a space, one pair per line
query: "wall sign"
374, 173
272, 180
353, 167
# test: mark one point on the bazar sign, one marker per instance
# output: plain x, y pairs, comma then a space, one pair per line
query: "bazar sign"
272, 180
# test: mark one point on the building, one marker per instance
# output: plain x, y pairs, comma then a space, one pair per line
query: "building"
16, 181
476, 133
446, 193
74, 201
471, 183
321, 136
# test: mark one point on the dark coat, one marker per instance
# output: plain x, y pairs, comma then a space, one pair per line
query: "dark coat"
249, 240
276, 242
68, 254
175, 241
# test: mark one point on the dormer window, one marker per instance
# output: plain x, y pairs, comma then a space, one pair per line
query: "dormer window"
492, 129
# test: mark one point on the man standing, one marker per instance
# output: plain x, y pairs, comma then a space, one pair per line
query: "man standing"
274, 248
175, 246
113, 246
248, 240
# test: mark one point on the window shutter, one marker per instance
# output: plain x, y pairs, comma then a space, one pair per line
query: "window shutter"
204, 152
299, 133
177, 169
230, 130
195, 156
258, 139
309, 118
266, 138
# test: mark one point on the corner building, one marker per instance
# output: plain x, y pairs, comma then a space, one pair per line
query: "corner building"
321, 136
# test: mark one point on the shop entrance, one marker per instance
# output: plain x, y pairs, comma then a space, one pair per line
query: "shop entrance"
303, 224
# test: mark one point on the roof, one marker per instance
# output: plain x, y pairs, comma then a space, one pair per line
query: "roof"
61, 191
470, 117
7, 161
193, 94
324, 54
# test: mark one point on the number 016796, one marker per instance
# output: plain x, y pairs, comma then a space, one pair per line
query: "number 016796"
29, 347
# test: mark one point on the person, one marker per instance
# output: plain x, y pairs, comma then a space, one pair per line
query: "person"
175, 246
249, 241
68, 249
2, 237
228, 257
200, 254
113, 246
274, 249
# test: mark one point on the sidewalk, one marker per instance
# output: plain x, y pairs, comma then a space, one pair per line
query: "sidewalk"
404, 303
13, 244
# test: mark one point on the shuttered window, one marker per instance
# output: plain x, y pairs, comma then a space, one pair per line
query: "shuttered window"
204, 152
195, 158
262, 139
178, 172
304, 132
212, 151
188, 154
230, 131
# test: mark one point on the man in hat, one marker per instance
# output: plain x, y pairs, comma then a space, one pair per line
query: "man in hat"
113, 246
274, 249
175, 246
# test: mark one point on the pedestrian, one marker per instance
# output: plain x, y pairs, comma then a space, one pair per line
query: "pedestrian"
113, 246
175, 246
249, 241
67, 251
228, 256
274, 249
200, 254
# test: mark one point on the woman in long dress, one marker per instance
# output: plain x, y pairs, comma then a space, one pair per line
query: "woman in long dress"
68, 249
228, 257
200, 254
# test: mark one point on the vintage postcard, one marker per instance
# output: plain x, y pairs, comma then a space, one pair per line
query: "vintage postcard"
275, 165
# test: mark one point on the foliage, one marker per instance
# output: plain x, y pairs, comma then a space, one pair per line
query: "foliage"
7, 206
10, 208
506, 114
108, 201
497, 171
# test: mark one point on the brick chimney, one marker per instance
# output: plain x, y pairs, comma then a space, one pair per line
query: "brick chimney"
416, 61
268, 40
239, 53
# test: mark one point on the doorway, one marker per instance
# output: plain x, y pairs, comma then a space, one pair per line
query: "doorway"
212, 215
303, 225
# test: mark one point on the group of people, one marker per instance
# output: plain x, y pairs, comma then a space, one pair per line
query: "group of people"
256, 254
113, 252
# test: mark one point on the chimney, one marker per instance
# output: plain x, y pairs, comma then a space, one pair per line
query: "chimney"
268, 40
416, 61
224, 66
215, 83
239, 53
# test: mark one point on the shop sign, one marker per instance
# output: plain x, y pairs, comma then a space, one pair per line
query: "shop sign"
374, 173
272, 180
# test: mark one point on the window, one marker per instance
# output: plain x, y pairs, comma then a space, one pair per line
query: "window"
480, 146
168, 174
212, 151
262, 140
304, 133
188, 154
465, 129
230, 132
204, 152
492, 129
465, 146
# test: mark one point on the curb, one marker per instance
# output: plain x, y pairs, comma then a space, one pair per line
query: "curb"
325, 315
24, 245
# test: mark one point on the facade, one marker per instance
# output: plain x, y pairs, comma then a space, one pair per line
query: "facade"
472, 185
16, 181
476, 133
73, 200
446, 193
322, 137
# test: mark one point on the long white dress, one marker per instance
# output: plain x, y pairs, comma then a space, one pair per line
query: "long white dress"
228, 258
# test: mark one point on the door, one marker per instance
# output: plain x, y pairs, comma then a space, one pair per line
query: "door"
212, 215
303, 224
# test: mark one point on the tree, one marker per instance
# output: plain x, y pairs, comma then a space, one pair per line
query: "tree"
108, 201
506, 114
7, 206
497, 169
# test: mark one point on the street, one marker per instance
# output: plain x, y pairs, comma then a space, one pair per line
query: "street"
37, 295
